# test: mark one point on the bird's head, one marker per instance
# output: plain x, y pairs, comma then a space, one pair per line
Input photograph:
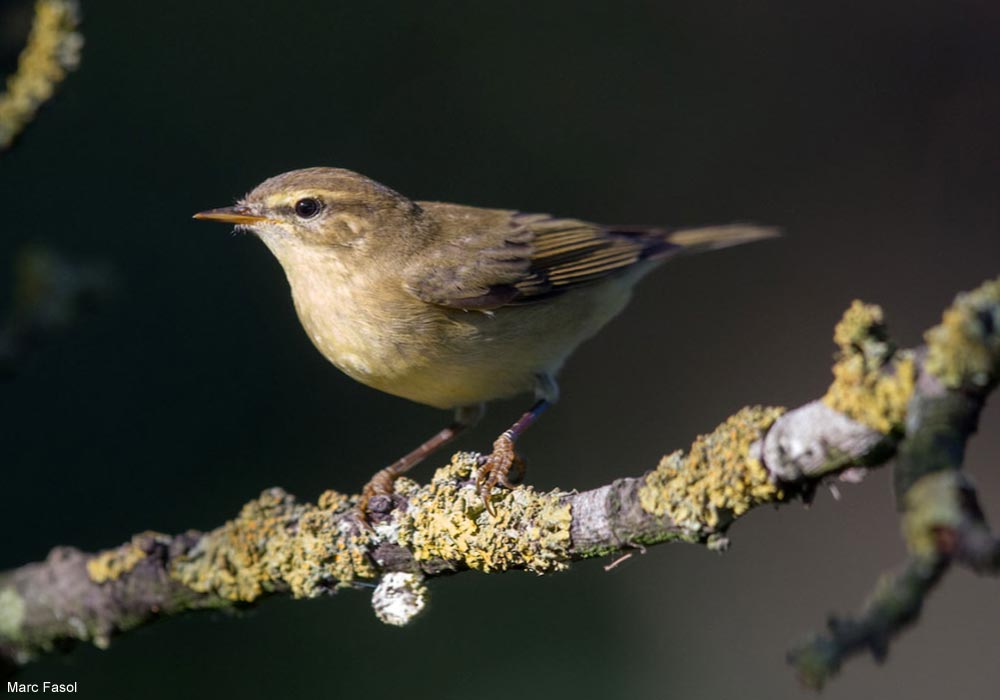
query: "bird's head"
320, 207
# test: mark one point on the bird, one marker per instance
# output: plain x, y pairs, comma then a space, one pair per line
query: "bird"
450, 305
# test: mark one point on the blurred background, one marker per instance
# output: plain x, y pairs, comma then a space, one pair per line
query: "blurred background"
868, 131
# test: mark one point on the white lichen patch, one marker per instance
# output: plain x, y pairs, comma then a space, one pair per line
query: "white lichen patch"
399, 597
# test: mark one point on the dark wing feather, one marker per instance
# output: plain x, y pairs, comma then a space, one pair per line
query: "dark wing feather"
568, 253
494, 258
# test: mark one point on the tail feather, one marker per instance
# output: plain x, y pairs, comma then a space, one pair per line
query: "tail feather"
699, 240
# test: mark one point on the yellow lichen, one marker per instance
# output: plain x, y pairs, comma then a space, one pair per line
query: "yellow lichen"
111, 564
718, 479
276, 542
448, 520
872, 383
964, 349
53, 48
332, 500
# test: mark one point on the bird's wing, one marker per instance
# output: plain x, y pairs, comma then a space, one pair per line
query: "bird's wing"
493, 258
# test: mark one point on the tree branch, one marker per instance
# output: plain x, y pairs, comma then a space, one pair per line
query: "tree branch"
52, 50
919, 406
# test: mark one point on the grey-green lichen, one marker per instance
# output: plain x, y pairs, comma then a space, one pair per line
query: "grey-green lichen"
872, 383
53, 49
963, 351
934, 503
448, 520
277, 543
717, 479
12, 611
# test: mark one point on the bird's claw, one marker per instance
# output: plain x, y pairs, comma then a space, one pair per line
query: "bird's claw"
381, 484
495, 468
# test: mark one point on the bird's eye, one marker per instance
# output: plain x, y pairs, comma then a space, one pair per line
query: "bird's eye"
308, 207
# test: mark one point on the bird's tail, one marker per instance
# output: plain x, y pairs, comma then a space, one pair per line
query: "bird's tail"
699, 240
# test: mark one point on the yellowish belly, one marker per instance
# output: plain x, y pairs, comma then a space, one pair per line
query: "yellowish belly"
447, 358
455, 365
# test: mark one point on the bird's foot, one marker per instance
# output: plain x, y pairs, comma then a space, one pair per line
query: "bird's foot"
376, 496
496, 467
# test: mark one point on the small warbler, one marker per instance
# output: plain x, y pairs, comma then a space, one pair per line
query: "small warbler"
451, 305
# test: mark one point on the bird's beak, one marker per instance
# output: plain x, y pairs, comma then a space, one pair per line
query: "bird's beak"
231, 215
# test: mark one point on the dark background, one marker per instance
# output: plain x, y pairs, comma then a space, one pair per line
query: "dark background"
868, 131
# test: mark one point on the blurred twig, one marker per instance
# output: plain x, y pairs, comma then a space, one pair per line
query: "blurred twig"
52, 50
918, 407
50, 295
49, 291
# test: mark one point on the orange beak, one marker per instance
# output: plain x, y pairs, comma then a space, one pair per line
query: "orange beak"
230, 215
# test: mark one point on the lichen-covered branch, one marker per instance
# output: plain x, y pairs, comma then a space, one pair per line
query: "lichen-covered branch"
941, 520
52, 50
918, 406
895, 604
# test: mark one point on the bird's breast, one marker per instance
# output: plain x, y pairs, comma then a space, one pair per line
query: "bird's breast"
378, 334
349, 320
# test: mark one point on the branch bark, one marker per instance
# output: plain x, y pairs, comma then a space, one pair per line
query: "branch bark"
917, 406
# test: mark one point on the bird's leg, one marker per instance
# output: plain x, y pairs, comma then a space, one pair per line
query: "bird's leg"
381, 483
495, 468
